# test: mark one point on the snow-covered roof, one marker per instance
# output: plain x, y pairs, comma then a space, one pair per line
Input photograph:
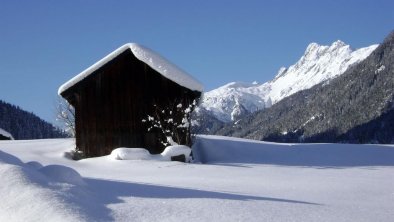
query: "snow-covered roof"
6, 134
152, 59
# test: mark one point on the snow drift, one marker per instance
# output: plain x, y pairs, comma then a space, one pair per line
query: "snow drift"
220, 149
243, 180
143, 154
51, 193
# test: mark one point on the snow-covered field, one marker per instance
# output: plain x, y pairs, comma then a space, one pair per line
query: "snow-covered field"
234, 180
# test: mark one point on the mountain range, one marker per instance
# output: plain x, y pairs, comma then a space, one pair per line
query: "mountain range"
355, 107
233, 101
319, 63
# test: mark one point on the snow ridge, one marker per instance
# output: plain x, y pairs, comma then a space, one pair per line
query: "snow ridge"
318, 64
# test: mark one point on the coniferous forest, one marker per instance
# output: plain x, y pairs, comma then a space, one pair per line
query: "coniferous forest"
25, 125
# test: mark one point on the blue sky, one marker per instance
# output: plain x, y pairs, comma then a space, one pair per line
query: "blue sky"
45, 43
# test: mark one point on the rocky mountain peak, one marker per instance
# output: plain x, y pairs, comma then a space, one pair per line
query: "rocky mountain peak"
319, 63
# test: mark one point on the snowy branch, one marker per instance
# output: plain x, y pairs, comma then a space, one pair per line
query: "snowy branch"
173, 122
65, 114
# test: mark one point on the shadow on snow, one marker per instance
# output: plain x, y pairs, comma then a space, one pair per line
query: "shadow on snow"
110, 191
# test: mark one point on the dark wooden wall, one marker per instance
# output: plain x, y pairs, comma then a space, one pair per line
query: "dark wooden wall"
111, 103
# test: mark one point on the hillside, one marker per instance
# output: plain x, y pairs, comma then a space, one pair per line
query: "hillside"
25, 125
356, 107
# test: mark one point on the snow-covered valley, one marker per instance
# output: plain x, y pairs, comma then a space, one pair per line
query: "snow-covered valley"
232, 180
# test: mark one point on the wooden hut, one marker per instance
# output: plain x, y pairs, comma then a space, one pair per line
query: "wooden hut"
113, 96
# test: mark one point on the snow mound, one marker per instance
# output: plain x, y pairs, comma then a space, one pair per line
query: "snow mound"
19, 174
147, 56
176, 150
143, 154
9, 159
34, 164
130, 154
27, 195
62, 174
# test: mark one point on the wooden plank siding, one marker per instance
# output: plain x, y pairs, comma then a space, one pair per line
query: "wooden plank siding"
111, 103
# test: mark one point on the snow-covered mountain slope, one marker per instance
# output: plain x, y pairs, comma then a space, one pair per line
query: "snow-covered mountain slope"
319, 63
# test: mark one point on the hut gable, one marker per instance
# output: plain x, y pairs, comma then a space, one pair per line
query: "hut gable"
112, 97
152, 59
